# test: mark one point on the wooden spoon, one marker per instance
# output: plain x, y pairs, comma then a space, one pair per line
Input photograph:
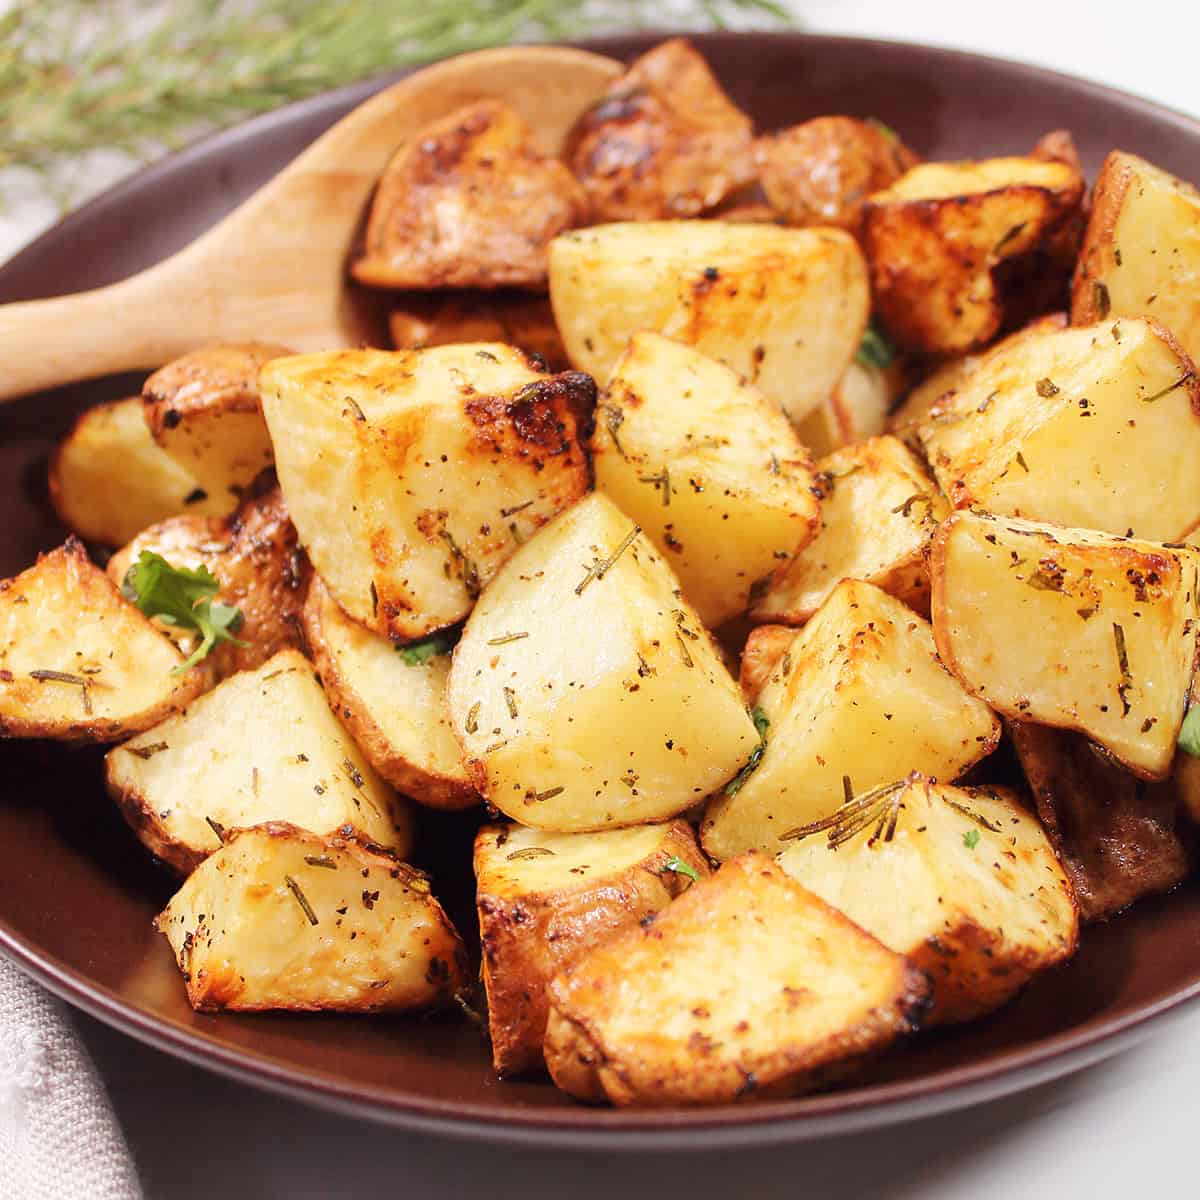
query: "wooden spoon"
274, 270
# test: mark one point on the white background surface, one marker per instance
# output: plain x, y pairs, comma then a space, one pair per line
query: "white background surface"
1122, 1129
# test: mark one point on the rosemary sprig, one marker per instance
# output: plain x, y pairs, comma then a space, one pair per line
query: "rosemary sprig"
879, 807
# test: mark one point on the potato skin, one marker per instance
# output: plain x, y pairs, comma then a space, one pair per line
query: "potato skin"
764, 647
469, 202
665, 140
530, 936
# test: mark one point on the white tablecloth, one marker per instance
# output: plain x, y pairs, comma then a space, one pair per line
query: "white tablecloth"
1120, 1129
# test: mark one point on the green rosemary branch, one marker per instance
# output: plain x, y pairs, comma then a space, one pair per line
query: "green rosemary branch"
84, 75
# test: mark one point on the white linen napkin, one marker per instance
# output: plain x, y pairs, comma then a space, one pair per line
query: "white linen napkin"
59, 1139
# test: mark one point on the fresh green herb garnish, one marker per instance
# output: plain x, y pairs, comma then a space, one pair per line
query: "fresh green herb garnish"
971, 839
420, 652
1189, 734
182, 597
676, 864
761, 724
875, 350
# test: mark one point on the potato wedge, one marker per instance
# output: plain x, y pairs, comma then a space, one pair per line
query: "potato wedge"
985, 903
784, 307
879, 511
546, 899
798, 989
708, 467
468, 202
394, 709
262, 746
413, 475
765, 646
858, 700
280, 917
1097, 428
203, 410
254, 557
520, 319
583, 633
857, 410
78, 662
821, 171
1117, 836
109, 479
664, 141
952, 246
1141, 252
1070, 628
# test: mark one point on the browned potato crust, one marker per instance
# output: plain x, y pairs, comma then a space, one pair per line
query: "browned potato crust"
546, 899
821, 171
254, 556
764, 648
1116, 835
746, 985
78, 662
471, 202
519, 319
665, 141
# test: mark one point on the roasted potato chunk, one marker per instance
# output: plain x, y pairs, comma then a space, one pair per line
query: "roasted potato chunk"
985, 903
1070, 628
746, 985
469, 202
764, 647
1141, 252
821, 171
519, 319
857, 410
947, 243
413, 475
880, 509
857, 700
109, 479
546, 899
262, 746
1117, 836
254, 557
279, 917
203, 410
78, 662
392, 701
784, 307
664, 141
708, 467
585, 631
1097, 428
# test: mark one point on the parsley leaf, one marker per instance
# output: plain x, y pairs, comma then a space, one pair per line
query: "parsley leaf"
875, 350
971, 839
676, 864
1189, 735
761, 723
420, 652
182, 597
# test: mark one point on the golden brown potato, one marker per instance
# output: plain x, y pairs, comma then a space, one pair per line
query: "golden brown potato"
78, 662
392, 701
858, 700
985, 903
469, 202
254, 557
1117, 836
786, 308
585, 692
664, 141
879, 510
262, 746
109, 479
857, 410
1141, 252
747, 985
1096, 427
413, 475
280, 917
546, 899
822, 171
519, 319
708, 467
1070, 628
939, 236
203, 410
764, 647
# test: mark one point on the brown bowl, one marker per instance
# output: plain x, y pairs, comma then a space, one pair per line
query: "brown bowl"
77, 892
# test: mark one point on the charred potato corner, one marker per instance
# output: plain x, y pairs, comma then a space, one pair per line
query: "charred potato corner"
731, 495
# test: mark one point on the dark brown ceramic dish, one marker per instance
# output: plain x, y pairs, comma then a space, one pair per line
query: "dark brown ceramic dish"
77, 894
